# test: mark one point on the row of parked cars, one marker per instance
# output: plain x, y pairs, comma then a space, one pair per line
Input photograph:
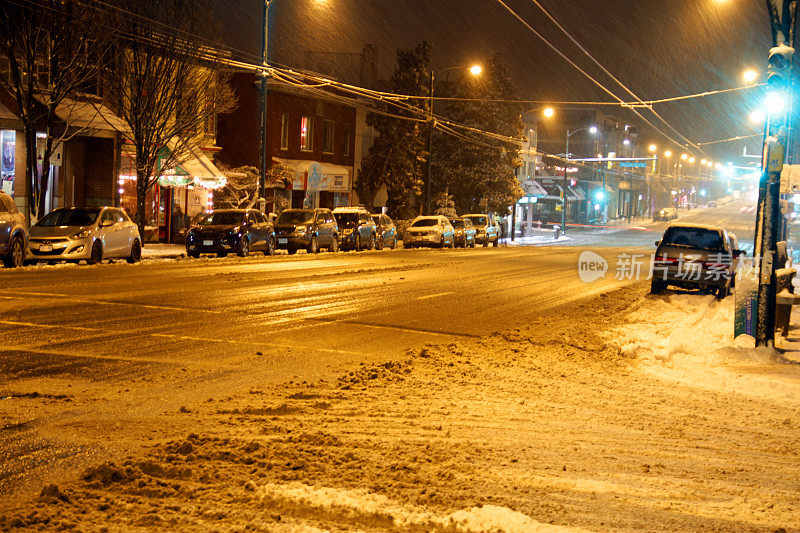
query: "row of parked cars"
241, 231
96, 233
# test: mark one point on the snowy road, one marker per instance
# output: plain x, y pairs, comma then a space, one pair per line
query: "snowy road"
105, 350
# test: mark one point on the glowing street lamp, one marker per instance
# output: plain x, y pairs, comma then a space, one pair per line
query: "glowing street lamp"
653, 148
548, 112
749, 76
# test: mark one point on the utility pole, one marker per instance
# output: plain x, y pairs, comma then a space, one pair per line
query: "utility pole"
431, 125
768, 218
262, 144
564, 192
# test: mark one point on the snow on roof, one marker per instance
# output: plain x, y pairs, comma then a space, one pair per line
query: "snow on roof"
692, 225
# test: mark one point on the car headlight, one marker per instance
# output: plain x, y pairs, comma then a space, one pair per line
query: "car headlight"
234, 231
82, 235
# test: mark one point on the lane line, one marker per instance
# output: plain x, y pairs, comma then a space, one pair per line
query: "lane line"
438, 295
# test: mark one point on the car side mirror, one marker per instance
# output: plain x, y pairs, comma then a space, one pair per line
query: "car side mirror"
658, 242
737, 253
106, 223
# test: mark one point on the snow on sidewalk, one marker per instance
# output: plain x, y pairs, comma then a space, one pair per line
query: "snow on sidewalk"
688, 339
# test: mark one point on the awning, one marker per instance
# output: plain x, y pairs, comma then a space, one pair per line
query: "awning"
323, 176
84, 115
533, 188
195, 167
553, 190
577, 192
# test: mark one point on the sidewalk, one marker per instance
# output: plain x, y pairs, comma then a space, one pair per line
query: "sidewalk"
163, 251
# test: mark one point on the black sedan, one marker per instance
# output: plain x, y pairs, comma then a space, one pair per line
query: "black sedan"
231, 230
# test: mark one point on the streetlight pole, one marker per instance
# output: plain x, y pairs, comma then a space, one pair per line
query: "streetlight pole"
262, 144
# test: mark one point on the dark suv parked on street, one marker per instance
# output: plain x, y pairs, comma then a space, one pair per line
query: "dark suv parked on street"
231, 230
13, 236
310, 229
358, 229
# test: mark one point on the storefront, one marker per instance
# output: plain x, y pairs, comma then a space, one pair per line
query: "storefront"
318, 184
178, 199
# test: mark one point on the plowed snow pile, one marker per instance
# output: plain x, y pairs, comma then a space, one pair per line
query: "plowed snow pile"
547, 428
688, 338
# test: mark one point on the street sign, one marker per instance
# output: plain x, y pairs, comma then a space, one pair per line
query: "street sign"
790, 179
632, 164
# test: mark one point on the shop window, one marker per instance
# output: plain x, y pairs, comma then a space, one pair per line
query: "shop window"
307, 134
284, 131
7, 144
347, 139
328, 137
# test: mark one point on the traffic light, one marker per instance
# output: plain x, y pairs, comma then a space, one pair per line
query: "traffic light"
779, 79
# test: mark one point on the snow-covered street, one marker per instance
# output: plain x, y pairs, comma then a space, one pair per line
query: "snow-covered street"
623, 413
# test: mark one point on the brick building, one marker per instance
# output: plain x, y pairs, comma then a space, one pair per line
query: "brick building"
311, 133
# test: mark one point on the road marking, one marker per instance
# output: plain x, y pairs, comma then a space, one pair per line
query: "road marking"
437, 295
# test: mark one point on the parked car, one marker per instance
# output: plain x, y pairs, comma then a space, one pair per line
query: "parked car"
486, 232
430, 231
387, 232
13, 236
231, 230
666, 213
712, 203
358, 230
464, 232
695, 256
85, 233
310, 229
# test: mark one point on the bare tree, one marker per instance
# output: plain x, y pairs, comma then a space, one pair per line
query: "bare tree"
166, 85
56, 50
241, 190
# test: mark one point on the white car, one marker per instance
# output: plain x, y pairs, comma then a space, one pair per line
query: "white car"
85, 233
430, 231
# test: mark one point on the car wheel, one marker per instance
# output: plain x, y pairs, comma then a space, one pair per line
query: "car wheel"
313, 246
473, 243
244, 247
222, 254
334, 247
270, 246
722, 292
372, 242
358, 243
394, 243
657, 286
379, 243
97, 253
193, 255
16, 256
453, 243
291, 251
136, 252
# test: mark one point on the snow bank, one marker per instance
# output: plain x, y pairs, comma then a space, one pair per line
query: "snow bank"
485, 519
688, 338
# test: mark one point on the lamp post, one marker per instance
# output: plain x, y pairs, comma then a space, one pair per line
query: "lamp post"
593, 131
475, 70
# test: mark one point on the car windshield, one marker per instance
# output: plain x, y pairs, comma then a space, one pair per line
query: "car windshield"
222, 218
478, 221
425, 223
70, 217
346, 220
296, 217
457, 223
700, 238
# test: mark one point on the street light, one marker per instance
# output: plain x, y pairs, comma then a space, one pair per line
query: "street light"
749, 76
668, 155
548, 112
474, 70
593, 130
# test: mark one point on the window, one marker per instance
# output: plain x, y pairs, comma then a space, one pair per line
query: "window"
284, 131
327, 138
307, 134
347, 139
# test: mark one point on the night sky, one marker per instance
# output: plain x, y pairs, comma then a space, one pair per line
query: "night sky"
658, 49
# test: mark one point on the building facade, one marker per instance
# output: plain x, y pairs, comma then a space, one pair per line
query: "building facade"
313, 134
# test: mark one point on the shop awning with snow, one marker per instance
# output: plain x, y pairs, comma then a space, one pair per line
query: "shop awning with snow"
195, 168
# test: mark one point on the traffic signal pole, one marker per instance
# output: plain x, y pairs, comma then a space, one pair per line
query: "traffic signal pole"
768, 216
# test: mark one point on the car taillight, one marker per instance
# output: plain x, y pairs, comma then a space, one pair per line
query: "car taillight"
716, 266
667, 260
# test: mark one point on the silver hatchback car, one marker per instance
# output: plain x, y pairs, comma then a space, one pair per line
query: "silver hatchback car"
85, 233
13, 237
